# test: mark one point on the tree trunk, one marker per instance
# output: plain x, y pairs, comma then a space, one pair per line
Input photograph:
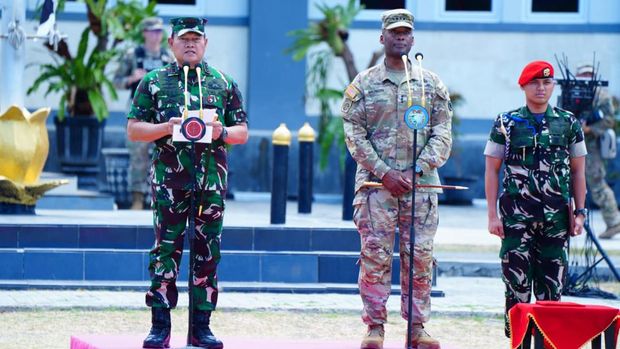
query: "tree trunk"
349, 62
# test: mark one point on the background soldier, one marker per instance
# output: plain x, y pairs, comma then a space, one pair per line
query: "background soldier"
133, 66
602, 119
378, 139
544, 154
157, 106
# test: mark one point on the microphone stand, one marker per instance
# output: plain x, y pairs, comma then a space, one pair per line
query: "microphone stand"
191, 225
415, 125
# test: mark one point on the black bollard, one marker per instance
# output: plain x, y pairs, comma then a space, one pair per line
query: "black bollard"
350, 167
306, 164
281, 140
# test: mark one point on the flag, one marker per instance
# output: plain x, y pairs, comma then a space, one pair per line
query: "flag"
48, 18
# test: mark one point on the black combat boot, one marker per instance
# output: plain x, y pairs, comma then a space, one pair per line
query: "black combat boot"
202, 335
159, 336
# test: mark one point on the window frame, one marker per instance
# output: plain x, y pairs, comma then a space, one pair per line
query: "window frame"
493, 16
174, 10
445, 5
404, 6
579, 17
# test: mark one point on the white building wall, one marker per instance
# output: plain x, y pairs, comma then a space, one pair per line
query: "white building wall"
227, 50
484, 66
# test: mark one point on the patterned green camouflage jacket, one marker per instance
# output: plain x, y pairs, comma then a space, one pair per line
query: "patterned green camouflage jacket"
373, 111
159, 97
536, 157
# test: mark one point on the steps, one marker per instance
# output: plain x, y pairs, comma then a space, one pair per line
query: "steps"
73, 255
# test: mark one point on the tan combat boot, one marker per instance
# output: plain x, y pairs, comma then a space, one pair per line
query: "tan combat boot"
610, 232
422, 340
138, 201
373, 338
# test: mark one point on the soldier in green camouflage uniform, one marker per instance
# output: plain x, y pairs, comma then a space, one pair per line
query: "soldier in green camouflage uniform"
601, 193
543, 151
157, 106
381, 143
136, 62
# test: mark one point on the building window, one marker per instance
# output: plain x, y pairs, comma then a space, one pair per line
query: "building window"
382, 4
469, 5
177, 2
562, 6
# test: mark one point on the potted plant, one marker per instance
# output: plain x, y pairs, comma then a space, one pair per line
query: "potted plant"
81, 79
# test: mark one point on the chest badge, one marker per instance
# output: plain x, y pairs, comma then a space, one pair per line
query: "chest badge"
211, 99
416, 117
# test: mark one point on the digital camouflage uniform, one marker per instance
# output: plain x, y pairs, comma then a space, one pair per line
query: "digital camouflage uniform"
160, 97
601, 193
379, 140
533, 204
133, 59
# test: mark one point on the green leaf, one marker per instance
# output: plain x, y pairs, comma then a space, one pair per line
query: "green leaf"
99, 106
62, 106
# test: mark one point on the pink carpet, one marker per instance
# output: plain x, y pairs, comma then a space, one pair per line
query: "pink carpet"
135, 342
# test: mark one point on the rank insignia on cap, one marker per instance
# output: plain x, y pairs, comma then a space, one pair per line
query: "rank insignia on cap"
546, 72
211, 99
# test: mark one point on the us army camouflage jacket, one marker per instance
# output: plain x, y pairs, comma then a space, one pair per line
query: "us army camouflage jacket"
603, 105
373, 111
537, 156
159, 97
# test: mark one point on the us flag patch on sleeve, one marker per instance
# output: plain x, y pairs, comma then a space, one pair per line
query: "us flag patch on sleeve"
352, 93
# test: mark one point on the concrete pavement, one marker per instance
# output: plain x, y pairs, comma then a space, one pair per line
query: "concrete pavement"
461, 235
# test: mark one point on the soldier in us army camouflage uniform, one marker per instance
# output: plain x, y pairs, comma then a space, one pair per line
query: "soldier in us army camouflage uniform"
593, 130
157, 106
543, 151
381, 143
136, 62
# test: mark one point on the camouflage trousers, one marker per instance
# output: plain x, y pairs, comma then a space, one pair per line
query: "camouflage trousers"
376, 219
139, 164
533, 253
170, 213
601, 193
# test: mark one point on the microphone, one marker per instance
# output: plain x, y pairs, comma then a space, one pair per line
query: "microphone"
419, 56
405, 59
185, 73
198, 71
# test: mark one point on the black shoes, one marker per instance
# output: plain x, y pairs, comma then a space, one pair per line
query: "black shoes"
202, 335
159, 336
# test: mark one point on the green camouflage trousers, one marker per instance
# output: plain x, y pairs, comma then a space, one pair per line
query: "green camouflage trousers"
533, 253
139, 164
377, 219
601, 193
170, 213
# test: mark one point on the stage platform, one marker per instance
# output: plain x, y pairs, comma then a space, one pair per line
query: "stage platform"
135, 342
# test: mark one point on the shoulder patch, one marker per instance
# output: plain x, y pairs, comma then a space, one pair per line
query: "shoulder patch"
352, 93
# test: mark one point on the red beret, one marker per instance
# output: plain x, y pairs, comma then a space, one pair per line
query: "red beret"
535, 70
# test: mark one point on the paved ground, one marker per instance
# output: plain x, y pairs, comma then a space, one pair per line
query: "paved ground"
461, 226
464, 296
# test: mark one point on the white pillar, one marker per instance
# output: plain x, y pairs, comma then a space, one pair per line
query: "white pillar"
12, 61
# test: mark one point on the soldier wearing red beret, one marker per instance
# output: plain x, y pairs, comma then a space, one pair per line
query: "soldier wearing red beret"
543, 152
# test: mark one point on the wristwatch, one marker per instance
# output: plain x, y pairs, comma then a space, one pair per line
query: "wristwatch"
224, 134
418, 170
581, 211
